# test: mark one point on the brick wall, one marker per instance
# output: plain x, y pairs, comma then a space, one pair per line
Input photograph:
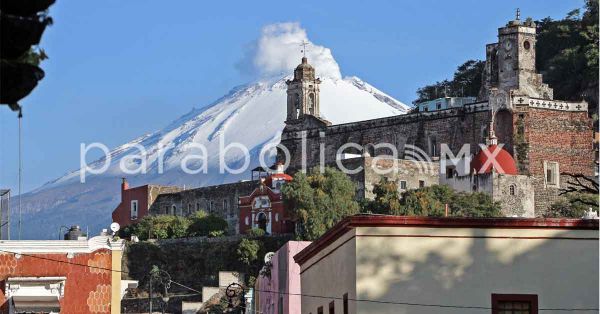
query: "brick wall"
87, 290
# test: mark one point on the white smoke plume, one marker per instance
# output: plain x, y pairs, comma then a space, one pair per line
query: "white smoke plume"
279, 50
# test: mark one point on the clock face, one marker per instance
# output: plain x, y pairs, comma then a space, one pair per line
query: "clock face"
507, 45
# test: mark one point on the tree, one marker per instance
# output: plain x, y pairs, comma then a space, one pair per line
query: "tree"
319, 200
466, 82
247, 251
387, 198
567, 54
432, 200
576, 205
207, 225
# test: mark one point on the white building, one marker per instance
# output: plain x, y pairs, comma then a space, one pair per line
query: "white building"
395, 264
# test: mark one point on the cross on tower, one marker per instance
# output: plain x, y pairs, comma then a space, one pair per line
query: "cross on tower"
304, 44
518, 14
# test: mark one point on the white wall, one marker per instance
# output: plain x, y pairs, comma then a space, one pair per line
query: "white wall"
456, 266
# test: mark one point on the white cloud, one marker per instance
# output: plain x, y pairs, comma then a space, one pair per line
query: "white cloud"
279, 51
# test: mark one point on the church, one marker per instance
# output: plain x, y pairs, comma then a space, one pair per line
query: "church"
513, 140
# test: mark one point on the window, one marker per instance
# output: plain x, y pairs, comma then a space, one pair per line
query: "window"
226, 207
403, 185
189, 209
332, 307
320, 310
526, 45
421, 183
552, 174
210, 207
449, 172
134, 210
262, 202
345, 303
514, 304
197, 206
173, 209
512, 189
438, 106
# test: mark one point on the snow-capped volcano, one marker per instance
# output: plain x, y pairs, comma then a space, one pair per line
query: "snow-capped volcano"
252, 115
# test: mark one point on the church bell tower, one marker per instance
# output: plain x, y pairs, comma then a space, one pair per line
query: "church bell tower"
303, 92
510, 63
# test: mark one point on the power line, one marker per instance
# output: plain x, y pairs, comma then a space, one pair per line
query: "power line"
20, 165
317, 296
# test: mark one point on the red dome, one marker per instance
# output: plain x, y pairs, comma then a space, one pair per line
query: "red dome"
504, 163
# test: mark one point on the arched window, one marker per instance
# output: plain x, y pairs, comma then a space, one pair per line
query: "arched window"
262, 221
433, 151
512, 189
173, 210
311, 104
297, 105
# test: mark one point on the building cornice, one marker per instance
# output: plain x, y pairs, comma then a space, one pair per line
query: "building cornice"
61, 246
352, 222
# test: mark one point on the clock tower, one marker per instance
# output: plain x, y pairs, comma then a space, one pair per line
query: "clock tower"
510, 63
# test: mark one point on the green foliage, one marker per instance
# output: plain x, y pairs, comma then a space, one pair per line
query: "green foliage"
248, 251
158, 227
256, 232
169, 226
319, 200
216, 233
196, 263
567, 54
204, 225
387, 198
466, 82
33, 56
431, 201
575, 205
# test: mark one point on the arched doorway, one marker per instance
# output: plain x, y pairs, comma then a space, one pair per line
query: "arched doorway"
262, 221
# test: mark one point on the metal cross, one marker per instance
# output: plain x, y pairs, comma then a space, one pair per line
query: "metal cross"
304, 44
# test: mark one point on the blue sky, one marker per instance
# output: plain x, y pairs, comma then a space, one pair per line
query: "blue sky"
119, 69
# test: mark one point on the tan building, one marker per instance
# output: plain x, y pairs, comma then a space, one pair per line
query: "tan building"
394, 264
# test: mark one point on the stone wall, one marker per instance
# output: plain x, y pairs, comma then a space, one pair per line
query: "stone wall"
424, 131
221, 200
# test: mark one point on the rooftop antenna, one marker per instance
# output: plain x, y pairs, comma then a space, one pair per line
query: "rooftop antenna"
518, 14
304, 44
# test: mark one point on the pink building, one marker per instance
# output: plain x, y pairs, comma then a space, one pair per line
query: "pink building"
280, 293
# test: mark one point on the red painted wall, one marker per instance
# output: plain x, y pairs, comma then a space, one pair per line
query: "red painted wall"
87, 290
122, 214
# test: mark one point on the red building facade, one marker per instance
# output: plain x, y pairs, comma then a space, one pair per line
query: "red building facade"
264, 207
136, 201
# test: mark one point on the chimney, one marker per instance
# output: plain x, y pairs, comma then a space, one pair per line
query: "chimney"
124, 186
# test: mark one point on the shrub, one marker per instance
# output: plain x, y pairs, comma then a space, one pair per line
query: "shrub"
248, 251
205, 225
256, 232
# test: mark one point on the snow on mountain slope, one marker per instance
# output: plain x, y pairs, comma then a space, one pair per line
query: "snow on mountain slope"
252, 115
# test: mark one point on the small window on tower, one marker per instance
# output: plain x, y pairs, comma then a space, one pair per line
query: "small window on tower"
526, 45
512, 189
403, 185
551, 174
134, 209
